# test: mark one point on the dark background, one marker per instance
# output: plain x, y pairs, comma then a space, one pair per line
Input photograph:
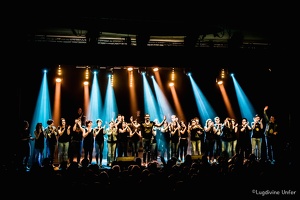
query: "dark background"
267, 76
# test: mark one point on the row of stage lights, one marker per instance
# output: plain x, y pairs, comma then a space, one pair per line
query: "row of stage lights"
143, 70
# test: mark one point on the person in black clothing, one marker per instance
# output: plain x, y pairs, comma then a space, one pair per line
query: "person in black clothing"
118, 122
123, 139
244, 140
88, 141
39, 144
147, 135
229, 136
64, 132
210, 131
112, 139
257, 136
154, 142
99, 133
165, 142
51, 139
271, 133
183, 141
24, 146
196, 132
174, 128
218, 142
76, 141
135, 137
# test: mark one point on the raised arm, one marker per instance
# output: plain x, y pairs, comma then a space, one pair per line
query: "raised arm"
161, 123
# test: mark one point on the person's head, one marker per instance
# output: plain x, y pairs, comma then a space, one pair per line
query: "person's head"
135, 121
193, 122
182, 123
39, 126
120, 118
124, 124
85, 162
244, 120
50, 122
99, 122
88, 122
217, 119
79, 110
147, 117
208, 122
174, 118
233, 121
256, 118
111, 123
272, 118
23, 125
62, 121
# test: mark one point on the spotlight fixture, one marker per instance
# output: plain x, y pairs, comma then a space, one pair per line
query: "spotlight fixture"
219, 81
58, 80
110, 71
155, 69
188, 72
222, 76
143, 70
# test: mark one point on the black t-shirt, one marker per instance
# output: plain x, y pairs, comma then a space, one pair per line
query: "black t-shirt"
147, 130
